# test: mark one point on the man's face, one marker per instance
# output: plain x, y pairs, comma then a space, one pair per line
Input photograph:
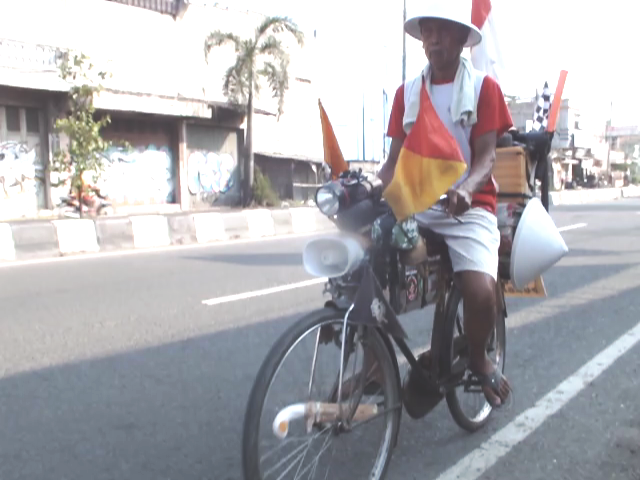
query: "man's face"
442, 41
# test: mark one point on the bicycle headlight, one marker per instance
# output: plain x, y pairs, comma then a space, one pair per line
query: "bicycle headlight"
328, 199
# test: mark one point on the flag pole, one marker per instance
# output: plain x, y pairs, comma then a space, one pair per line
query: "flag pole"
557, 101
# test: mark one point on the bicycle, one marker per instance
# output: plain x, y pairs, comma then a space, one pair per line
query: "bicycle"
370, 284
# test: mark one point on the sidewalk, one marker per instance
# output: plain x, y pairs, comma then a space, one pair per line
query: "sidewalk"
590, 195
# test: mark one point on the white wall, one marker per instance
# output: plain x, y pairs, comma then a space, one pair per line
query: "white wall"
158, 63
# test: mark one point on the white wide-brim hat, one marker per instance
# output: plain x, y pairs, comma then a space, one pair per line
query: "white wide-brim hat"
458, 11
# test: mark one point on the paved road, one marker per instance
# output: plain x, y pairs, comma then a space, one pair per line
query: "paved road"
114, 369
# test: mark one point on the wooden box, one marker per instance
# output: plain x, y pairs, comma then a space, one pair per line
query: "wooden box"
510, 172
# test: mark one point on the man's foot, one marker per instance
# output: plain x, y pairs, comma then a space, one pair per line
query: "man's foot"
495, 386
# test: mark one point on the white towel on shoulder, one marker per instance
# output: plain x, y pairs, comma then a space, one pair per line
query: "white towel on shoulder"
464, 105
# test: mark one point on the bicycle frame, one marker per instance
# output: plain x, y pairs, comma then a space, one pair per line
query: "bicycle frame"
440, 265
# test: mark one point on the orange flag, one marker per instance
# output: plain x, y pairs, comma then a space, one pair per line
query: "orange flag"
332, 153
430, 162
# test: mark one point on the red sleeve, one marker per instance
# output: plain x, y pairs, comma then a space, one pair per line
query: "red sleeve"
395, 129
493, 113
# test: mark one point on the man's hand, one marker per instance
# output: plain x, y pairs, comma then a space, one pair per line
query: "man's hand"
459, 201
388, 169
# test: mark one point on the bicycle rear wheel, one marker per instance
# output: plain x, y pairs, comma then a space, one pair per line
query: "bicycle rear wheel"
387, 411
455, 358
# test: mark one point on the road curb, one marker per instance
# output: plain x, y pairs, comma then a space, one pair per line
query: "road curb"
579, 197
58, 238
72, 237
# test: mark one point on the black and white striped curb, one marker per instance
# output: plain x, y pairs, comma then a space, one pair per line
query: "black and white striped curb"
56, 238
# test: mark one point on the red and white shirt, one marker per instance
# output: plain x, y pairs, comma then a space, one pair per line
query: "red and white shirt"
492, 113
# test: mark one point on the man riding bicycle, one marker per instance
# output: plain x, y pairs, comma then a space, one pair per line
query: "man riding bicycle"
472, 107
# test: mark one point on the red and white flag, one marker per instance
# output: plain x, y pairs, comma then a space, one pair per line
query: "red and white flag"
486, 56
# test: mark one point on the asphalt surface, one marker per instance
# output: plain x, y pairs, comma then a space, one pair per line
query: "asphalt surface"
112, 368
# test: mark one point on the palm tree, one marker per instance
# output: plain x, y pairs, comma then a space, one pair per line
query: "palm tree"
261, 56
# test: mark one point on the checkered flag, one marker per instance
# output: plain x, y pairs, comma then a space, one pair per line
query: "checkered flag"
541, 115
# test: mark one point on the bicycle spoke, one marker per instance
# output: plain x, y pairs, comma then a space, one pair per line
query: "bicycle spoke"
283, 443
304, 373
314, 361
307, 444
315, 461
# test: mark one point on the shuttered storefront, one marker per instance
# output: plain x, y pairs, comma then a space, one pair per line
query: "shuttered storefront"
212, 166
145, 174
23, 148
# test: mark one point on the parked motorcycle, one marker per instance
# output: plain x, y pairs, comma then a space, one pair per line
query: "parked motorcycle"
93, 204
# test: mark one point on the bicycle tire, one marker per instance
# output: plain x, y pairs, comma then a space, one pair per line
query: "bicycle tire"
270, 366
451, 312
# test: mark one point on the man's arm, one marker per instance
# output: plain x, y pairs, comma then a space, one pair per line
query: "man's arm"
386, 172
494, 119
484, 148
397, 134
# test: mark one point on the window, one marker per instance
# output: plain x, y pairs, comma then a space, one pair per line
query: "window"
13, 119
33, 120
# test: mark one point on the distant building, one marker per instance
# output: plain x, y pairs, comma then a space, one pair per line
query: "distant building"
579, 146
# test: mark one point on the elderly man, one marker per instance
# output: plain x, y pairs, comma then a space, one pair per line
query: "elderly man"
472, 107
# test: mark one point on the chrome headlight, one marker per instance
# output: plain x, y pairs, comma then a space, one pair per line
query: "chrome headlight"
328, 199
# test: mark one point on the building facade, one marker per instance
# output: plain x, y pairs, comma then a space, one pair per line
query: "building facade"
579, 147
163, 98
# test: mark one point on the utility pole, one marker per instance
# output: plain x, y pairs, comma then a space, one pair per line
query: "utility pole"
404, 43
364, 159
606, 135
384, 125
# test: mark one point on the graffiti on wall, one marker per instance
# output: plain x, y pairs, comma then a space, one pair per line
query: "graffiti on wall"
210, 174
137, 176
18, 168
21, 185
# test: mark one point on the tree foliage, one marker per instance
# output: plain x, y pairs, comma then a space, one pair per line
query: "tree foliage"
261, 57
85, 154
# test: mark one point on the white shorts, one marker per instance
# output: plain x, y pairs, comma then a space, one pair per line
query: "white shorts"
473, 245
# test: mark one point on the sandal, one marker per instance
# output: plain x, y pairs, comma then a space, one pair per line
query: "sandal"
494, 381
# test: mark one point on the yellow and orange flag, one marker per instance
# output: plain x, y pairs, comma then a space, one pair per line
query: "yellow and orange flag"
429, 163
332, 153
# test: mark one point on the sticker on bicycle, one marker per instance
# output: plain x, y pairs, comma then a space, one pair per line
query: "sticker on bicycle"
412, 288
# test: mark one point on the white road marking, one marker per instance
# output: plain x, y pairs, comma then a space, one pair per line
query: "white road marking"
483, 458
572, 227
266, 291
124, 253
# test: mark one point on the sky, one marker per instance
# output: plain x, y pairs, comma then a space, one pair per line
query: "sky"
360, 55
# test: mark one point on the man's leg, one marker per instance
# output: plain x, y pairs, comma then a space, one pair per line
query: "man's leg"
480, 311
473, 248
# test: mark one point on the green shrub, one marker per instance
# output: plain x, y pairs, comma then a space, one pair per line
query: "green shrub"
263, 193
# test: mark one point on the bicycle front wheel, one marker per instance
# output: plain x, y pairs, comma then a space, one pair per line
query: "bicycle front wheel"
307, 425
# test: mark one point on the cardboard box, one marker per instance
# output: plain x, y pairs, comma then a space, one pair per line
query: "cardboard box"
535, 289
510, 172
